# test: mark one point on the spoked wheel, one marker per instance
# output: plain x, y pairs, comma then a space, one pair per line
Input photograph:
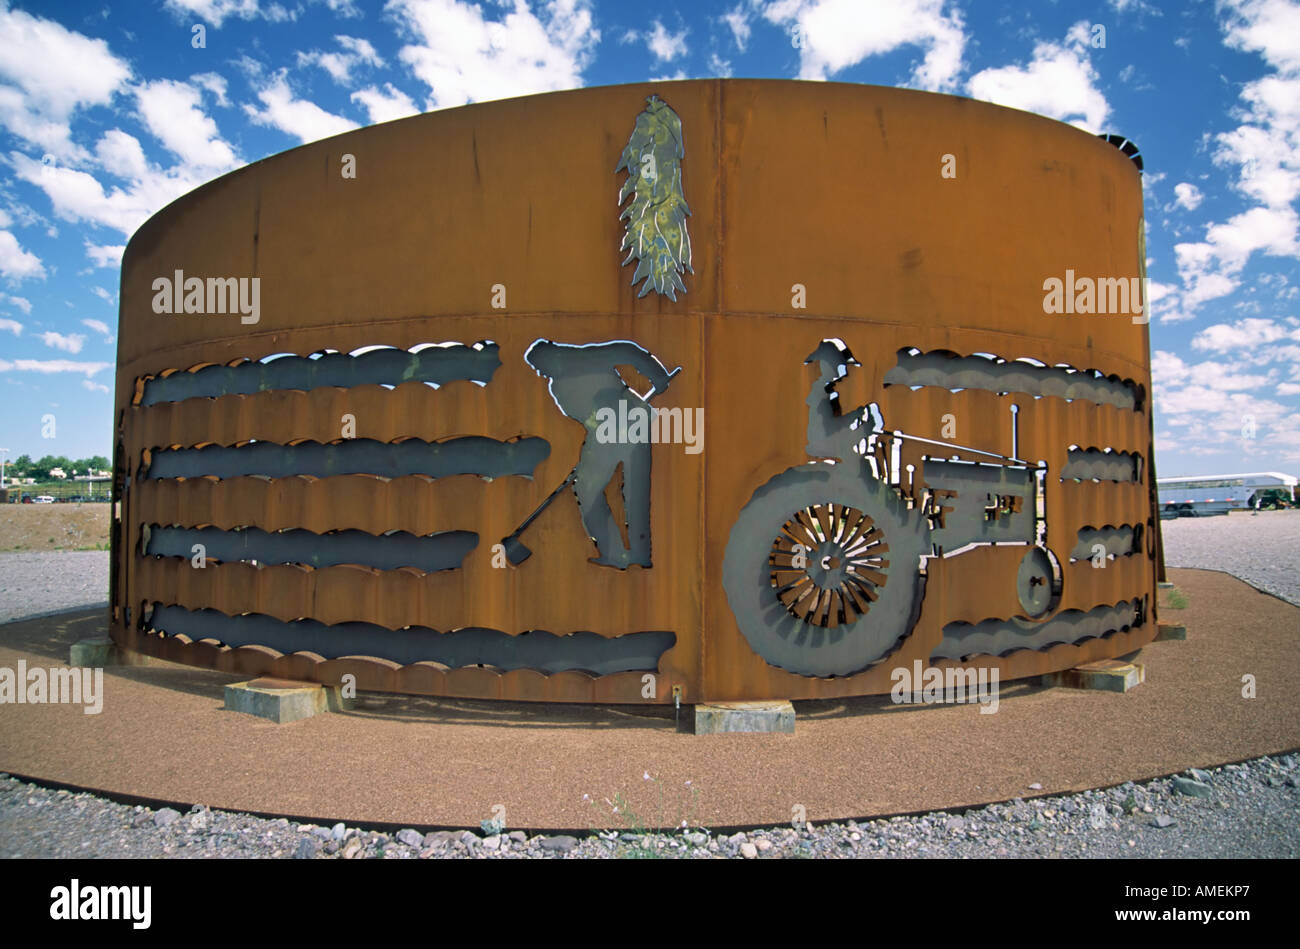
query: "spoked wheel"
822, 569
829, 563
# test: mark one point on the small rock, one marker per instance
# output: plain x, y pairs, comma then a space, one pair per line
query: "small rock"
141, 819
338, 831
492, 843
561, 843
323, 833
765, 845
1191, 788
696, 839
955, 825
748, 850
1199, 775
1274, 781
165, 816
352, 848
307, 848
518, 836
1163, 820
331, 845
410, 837
1035, 786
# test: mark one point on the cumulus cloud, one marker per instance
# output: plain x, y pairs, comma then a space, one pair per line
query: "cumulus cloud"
305, 120
387, 104
47, 74
71, 343
105, 255
49, 366
1188, 196
21, 302
99, 326
465, 57
837, 34
1059, 82
737, 20
16, 263
173, 112
1243, 333
11, 326
354, 52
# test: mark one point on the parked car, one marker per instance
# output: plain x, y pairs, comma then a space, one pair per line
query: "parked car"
42, 499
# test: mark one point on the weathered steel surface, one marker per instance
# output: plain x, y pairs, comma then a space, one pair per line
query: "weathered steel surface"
498, 225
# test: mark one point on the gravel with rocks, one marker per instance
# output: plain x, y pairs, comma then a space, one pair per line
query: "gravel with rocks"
1263, 549
1240, 810
33, 585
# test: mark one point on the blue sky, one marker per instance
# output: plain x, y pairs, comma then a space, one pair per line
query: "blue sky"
110, 111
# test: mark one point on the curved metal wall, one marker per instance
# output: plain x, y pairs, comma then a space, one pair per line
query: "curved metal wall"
349, 507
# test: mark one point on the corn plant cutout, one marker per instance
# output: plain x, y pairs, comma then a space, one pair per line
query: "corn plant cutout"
655, 232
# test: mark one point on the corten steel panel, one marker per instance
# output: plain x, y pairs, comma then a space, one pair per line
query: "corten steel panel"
834, 187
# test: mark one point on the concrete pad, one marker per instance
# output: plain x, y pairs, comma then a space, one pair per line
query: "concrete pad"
284, 700
1170, 632
1104, 675
100, 651
766, 717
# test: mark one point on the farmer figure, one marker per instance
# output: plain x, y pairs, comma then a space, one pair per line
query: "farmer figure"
584, 381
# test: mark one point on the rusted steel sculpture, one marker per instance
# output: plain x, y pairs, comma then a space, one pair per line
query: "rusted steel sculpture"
390, 405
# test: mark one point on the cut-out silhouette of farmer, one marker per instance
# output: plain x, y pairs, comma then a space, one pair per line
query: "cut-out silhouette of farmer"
584, 380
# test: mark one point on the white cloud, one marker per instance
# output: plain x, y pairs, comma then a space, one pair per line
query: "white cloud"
719, 66
305, 120
48, 366
47, 73
1288, 388
738, 20
102, 294
1188, 196
464, 57
21, 302
16, 263
173, 112
1211, 268
105, 255
356, 52
664, 45
214, 83
1060, 82
836, 34
99, 326
1271, 27
79, 196
94, 386
122, 155
1243, 333
71, 343
215, 12
12, 326
391, 103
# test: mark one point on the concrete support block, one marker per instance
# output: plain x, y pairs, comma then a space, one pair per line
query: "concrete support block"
1170, 632
284, 700
1105, 675
714, 718
100, 651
